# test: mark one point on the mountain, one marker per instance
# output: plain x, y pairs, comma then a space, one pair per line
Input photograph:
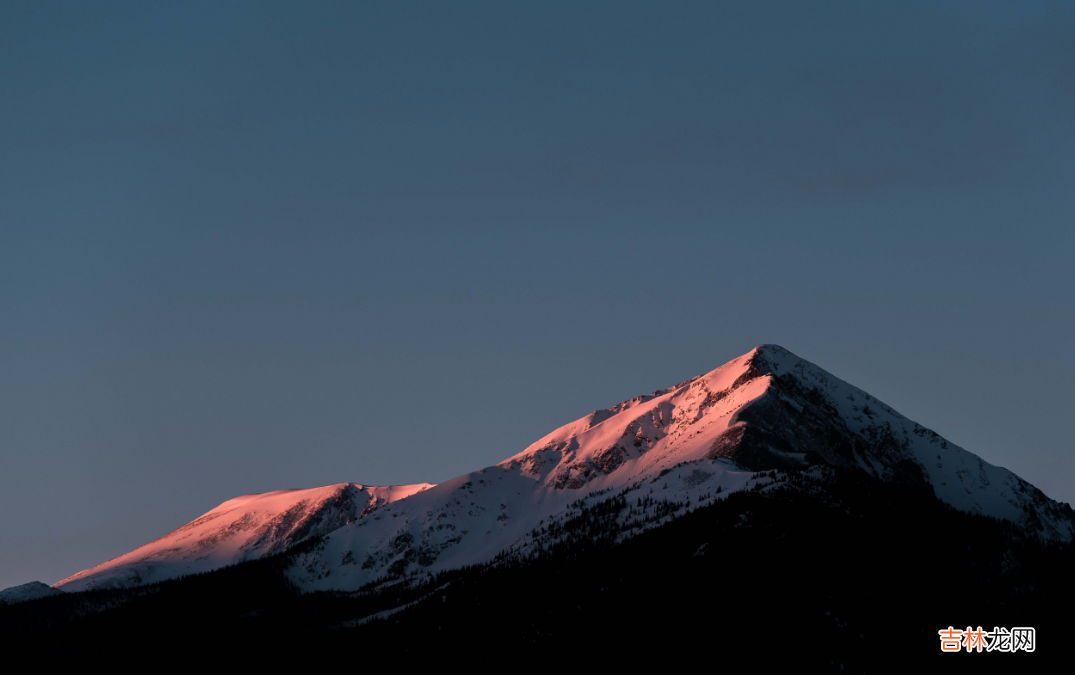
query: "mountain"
244, 528
739, 427
820, 569
25, 592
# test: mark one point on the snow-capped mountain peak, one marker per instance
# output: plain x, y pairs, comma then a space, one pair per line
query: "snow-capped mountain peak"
767, 410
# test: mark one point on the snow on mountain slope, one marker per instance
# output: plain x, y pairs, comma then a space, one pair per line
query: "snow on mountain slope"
24, 592
701, 439
472, 518
766, 410
244, 528
808, 415
769, 409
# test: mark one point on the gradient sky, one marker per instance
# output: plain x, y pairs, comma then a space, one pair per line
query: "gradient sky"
252, 246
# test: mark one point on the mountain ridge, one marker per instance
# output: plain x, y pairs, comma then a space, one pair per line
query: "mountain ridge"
767, 410
241, 528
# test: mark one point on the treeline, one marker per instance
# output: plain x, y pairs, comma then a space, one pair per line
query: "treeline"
814, 572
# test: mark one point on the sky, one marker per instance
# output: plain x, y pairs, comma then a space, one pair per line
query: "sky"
252, 246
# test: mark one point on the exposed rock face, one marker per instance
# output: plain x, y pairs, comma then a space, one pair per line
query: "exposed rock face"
806, 416
797, 422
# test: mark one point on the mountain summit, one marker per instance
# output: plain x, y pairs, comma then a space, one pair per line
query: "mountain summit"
734, 428
769, 409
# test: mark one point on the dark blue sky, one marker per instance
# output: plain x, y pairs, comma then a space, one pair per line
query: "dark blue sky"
249, 246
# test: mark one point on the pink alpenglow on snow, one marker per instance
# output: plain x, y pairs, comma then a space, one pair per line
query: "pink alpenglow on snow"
767, 410
243, 528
